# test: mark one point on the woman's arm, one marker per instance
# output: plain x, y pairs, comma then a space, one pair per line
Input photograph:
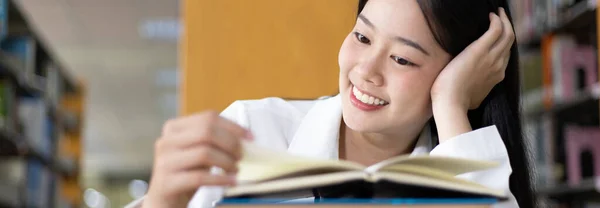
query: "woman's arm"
482, 144
451, 121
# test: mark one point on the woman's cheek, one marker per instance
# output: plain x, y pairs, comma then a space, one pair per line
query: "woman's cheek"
347, 56
411, 86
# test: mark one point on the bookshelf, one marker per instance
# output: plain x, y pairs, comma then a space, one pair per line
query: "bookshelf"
589, 189
41, 113
578, 18
561, 92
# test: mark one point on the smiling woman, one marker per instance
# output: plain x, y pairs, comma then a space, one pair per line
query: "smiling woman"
431, 77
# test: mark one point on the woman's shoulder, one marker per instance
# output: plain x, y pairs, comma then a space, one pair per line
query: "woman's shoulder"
272, 118
277, 106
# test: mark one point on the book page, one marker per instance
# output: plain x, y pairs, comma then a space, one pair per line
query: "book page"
287, 184
427, 172
260, 164
450, 165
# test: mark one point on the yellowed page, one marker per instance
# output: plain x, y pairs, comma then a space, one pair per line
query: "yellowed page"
450, 165
427, 172
260, 164
287, 184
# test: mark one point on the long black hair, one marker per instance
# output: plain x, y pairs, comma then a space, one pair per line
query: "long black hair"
456, 24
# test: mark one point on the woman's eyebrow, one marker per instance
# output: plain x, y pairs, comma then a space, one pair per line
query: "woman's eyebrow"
402, 40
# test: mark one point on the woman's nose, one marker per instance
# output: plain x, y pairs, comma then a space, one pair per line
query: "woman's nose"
370, 70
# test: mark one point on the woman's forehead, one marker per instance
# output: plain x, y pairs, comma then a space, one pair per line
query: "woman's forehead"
402, 18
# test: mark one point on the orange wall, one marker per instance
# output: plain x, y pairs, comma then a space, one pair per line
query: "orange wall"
247, 49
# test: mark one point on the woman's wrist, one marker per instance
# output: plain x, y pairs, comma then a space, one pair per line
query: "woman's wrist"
451, 120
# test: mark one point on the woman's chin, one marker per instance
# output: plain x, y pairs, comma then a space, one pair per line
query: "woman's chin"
363, 124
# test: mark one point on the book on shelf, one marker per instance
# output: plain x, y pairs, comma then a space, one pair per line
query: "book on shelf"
34, 117
3, 19
38, 185
534, 18
54, 85
38, 129
29, 179
13, 175
24, 48
8, 106
268, 174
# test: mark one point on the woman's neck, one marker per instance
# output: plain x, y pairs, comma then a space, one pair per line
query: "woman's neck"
368, 149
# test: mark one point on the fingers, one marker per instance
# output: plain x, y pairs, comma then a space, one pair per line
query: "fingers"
234, 129
216, 137
202, 158
205, 129
503, 46
209, 117
490, 37
187, 150
510, 33
174, 126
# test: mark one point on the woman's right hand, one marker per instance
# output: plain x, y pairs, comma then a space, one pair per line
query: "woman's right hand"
188, 148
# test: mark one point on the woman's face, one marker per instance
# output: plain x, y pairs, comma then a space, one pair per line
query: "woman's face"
388, 64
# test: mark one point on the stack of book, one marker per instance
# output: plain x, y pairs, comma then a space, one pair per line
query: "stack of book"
269, 177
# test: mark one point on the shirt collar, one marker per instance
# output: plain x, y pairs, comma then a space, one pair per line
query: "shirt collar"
318, 133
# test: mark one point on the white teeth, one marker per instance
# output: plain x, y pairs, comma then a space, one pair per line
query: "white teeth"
366, 98
357, 93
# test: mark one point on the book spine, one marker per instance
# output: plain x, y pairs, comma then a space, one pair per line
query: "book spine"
3, 19
3, 105
53, 84
8, 117
34, 181
32, 112
22, 47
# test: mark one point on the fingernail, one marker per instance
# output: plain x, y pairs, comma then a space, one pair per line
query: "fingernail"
249, 135
232, 179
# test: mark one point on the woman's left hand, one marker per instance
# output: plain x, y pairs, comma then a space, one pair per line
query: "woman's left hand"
469, 77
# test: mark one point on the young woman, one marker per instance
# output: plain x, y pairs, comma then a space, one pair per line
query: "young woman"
421, 77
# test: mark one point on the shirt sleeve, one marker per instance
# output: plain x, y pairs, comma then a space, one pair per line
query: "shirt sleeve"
206, 196
482, 144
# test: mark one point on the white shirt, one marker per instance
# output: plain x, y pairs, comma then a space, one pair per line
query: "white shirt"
311, 128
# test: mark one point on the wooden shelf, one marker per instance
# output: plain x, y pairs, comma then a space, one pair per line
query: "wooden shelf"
70, 121
13, 144
10, 67
587, 189
18, 25
580, 105
9, 197
580, 18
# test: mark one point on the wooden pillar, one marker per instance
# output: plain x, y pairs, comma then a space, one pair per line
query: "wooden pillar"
241, 49
71, 145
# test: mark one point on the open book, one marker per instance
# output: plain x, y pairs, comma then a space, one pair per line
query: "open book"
271, 174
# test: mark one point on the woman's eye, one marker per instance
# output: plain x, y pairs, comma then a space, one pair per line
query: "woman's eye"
402, 61
361, 38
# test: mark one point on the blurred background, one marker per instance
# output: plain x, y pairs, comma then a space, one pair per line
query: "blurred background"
85, 86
